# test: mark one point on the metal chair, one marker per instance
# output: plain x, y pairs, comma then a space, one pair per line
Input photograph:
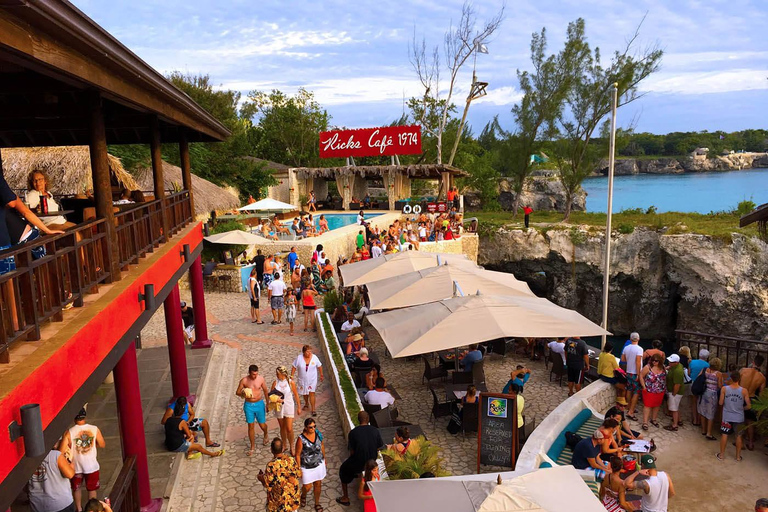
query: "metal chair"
432, 373
381, 418
478, 373
469, 417
439, 409
558, 367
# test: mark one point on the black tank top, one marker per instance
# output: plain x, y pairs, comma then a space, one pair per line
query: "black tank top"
173, 436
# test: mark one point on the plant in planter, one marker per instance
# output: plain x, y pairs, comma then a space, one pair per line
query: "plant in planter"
303, 200
422, 456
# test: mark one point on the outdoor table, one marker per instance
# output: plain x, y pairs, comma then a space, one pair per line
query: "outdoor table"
388, 433
63, 213
455, 392
392, 391
448, 358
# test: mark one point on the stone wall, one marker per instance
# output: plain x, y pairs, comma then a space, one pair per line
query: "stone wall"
468, 244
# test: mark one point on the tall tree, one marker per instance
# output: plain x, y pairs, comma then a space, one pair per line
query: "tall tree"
459, 44
545, 90
288, 126
589, 102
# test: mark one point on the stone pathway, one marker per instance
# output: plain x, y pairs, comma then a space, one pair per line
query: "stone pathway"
229, 482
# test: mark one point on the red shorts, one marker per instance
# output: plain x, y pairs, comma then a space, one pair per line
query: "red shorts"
91, 481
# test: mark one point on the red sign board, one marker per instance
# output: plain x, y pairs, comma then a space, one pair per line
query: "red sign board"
440, 207
385, 141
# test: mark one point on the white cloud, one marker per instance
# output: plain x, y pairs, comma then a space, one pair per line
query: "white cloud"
707, 82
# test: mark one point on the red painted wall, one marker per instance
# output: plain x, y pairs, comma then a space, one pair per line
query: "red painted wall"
54, 382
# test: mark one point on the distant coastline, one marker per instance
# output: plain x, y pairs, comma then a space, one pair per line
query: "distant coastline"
695, 163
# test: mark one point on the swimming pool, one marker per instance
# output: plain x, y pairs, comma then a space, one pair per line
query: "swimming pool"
337, 220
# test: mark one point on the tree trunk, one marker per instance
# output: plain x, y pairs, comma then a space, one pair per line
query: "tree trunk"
515, 204
568, 203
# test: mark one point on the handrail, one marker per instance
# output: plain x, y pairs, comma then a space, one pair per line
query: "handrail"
124, 496
738, 352
178, 210
139, 231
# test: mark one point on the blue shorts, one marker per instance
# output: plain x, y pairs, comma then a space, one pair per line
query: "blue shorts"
183, 448
255, 411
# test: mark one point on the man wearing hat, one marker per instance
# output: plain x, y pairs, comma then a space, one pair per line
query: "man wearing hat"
657, 488
85, 439
617, 412
586, 454
188, 318
675, 380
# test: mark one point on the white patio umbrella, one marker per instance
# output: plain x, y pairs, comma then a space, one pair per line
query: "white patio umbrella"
236, 237
460, 321
391, 265
269, 205
437, 283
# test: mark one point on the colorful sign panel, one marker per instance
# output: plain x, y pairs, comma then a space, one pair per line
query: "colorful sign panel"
384, 141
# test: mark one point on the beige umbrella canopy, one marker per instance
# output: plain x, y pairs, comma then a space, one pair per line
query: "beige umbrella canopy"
68, 168
437, 283
460, 321
391, 265
208, 196
235, 237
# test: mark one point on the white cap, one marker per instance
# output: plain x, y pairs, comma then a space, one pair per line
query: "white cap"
674, 358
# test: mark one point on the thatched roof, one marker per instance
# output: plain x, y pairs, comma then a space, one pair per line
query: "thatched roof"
207, 195
68, 168
269, 164
412, 171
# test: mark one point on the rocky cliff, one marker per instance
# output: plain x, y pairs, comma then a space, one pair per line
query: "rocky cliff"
659, 283
540, 192
693, 163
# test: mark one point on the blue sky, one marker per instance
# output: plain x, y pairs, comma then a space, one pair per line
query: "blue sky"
354, 55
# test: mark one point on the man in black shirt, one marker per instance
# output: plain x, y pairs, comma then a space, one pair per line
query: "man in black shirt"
259, 262
188, 317
364, 442
577, 362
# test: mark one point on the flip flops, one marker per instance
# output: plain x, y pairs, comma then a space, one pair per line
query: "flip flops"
212, 445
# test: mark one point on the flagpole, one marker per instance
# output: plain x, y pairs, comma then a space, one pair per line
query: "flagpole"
607, 263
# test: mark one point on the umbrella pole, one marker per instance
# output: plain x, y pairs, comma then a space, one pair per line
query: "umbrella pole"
607, 263
456, 358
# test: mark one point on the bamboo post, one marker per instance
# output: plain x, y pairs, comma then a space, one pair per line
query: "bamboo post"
157, 172
186, 169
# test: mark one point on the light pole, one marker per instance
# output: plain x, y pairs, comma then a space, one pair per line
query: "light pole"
611, 163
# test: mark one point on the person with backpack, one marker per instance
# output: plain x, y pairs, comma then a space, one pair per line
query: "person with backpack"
695, 367
707, 403
577, 362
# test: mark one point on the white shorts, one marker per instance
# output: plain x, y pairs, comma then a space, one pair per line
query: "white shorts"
673, 401
189, 330
288, 410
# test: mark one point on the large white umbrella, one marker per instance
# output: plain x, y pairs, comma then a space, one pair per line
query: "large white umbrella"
460, 321
269, 205
391, 265
236, 237
437, 283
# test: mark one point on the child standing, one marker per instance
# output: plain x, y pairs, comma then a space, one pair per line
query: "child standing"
290, 307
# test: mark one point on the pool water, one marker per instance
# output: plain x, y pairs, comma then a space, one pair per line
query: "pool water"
337, 220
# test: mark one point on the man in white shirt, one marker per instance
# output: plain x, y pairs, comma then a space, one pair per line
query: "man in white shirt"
276, 290
376, 249
557, 347
351, 323
85, 439
379, 396
633, 356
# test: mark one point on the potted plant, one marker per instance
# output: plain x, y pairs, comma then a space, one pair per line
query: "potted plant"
421, 457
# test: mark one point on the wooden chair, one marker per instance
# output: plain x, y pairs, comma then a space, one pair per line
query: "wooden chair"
432, 373
558, 367
439, 409
469, 417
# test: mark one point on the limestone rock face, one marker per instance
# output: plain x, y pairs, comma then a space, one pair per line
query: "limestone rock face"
658, 283
660, 166
541, 193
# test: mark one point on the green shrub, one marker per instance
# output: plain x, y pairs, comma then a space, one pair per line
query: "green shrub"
423, 458
744, 207
626, 229
651, 210
632, 211
578, 237
345, 380
332, 300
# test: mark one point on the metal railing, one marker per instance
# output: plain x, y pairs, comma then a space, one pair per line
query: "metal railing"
41, 287
739, 352
139, 231
124, 496
178, 211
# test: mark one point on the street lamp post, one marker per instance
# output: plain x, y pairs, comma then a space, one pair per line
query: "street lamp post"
611, 163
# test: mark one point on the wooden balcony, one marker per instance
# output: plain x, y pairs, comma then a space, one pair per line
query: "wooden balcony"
77, 264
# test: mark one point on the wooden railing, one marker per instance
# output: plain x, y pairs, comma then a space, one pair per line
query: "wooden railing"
139, 231
124, 496
177, 209
39, 289
739, 352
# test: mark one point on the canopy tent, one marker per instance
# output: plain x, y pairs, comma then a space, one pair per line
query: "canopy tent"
208, 196
481, 493
391, 265
235, 237
68, 168
437, 283
267, 205
460, 321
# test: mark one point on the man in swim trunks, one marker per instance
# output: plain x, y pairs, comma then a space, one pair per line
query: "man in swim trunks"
253, 388
753, 380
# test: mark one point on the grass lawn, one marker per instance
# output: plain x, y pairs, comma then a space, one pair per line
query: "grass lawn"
718, 225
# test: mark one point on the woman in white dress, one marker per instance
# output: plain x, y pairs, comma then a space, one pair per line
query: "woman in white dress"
290, 405
309, 367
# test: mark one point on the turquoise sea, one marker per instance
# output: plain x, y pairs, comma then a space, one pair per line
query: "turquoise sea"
694, 192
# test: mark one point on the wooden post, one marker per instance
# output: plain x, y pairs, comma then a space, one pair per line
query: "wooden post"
157, 172
102, 185
186, 168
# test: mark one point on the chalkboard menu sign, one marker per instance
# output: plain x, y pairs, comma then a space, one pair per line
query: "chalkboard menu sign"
497, 430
